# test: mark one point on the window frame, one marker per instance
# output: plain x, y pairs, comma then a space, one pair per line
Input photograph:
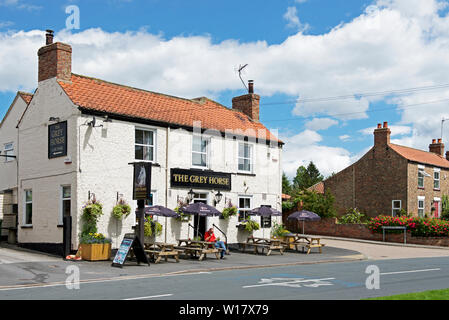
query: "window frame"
240, 209
61, 202
153, 146
25, 203
423, 199
206, 153
437, 170
421, 171
393, 209
251, 157
9, 157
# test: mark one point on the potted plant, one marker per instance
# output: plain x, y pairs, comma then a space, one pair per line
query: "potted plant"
279, 232
229, 211
182, 216
249, 226
95, 247
151, 230
121, 210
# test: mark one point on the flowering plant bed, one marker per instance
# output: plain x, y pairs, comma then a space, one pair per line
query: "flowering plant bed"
419, 227
95, 247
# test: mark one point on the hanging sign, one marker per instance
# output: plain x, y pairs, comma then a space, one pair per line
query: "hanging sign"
142, 181
57, 140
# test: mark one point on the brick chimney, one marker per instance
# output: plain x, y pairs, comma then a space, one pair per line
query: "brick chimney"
55, 60
447, 155
437, 147
382, 135
248, 103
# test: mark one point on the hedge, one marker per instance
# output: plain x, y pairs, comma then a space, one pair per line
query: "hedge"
419, 227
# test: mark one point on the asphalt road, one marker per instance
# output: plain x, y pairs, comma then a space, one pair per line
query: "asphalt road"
341, 281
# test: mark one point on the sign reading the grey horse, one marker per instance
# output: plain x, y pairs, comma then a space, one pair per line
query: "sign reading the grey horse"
200, 179
142, 181
57, 140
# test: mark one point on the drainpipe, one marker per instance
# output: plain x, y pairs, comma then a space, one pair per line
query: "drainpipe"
166, 178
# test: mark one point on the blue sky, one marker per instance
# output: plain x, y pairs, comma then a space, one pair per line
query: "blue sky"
296, 49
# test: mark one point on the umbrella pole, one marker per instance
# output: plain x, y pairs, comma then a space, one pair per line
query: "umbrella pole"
303, 226
165, 240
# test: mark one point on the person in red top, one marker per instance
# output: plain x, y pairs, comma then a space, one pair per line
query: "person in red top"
209, 236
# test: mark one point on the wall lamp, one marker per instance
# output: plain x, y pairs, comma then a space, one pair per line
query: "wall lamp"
190, 195
54, 119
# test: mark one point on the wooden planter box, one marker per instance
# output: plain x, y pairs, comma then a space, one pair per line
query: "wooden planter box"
96, 252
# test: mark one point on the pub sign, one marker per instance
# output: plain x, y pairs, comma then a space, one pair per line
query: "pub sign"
57, 140
200, 179
142, 181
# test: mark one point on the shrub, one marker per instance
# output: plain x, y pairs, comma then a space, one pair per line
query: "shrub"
322, 205
250, 225
94, 238
229, 212
353, 216
420, 227
279, 230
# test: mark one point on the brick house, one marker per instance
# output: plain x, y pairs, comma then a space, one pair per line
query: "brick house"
390, 178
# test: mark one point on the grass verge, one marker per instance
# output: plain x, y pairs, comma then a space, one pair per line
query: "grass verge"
425, 295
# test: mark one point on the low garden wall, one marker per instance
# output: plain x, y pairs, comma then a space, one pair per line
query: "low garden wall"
329, 227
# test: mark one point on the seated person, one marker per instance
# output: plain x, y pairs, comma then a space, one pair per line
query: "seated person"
209, 236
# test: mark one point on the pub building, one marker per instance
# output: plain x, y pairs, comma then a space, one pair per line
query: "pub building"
75, 137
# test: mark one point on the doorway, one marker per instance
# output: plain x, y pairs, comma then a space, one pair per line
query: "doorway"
199, 223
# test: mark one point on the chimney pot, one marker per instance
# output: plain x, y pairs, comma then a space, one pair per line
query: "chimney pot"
385, 124
439, 140
250, 86
379, 126
437, 148
434, 141
49, 37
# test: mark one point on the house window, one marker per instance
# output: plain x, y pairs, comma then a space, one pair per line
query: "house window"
9, 151
145, 145
199, 151
245, 157
396, 207
28, 211
66, 202
436, 179
244, 208
421, 175
421, 206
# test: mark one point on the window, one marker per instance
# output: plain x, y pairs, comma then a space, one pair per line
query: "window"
9, 151
28, 211
436, 179
66, 202
421, 174
421, 206
244, 207
396, 207
144, 145
245, 157
199, 151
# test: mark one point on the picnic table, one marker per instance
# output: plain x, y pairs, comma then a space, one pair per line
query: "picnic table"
303, 241
262, 243
159, 250
195, 247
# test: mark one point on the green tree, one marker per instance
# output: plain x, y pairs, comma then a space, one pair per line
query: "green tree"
322, 205
307, 177
286, 185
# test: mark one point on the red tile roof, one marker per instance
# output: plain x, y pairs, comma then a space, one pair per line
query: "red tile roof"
102, 96
318, 187
25, 96
421, 156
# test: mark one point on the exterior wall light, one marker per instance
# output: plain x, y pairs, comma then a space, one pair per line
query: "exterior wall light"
218, 197
190, 195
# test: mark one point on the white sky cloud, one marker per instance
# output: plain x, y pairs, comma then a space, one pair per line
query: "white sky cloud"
291, 15
394, 44
321, 124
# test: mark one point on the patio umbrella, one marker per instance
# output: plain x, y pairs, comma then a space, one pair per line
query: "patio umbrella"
202, 210
303, 215
264, 211
163, 212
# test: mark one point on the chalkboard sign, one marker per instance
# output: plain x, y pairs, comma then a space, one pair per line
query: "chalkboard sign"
57, 140
129, 241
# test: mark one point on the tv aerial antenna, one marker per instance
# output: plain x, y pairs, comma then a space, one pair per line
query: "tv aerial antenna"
240, 69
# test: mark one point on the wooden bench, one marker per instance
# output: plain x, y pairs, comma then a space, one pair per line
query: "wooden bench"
194, 248
263, 244
304, 242
157, 255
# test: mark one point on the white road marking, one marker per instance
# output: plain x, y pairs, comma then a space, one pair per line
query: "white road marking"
151, 297
410, 271
292, 282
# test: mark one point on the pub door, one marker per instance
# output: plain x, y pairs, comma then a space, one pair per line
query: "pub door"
199, 223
